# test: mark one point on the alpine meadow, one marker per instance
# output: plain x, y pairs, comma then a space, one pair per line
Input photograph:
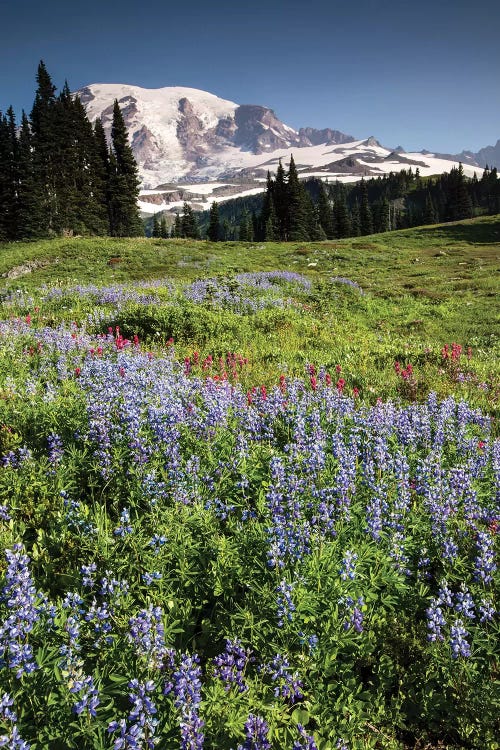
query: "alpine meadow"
249, 449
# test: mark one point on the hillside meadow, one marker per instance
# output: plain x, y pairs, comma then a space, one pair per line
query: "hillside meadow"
249, 493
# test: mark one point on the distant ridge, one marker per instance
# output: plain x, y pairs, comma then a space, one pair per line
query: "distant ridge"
184, 137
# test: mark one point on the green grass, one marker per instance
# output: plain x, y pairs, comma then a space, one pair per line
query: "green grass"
424, 287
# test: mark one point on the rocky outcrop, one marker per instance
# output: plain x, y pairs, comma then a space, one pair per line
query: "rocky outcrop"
314, 137
258, 130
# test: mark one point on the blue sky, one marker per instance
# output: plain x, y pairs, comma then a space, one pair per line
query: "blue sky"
421, 75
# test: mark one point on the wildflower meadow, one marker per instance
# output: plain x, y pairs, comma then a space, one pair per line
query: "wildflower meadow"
209, 542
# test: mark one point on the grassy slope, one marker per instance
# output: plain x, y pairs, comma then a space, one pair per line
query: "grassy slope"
424, 287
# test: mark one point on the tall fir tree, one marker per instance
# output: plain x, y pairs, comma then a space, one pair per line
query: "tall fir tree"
189, 224
177, 226
243, 227
429, 216
30, 200
271, 230
225, 231
124, 181
44, 146
325, 214
101, 174
341, 214
8, 168
156, 225
280, 197
164, 233
355, 220
297, 213
381, 216
458, 205
365, 212
214, 229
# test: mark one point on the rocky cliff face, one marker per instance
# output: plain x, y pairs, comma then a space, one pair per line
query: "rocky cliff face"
175, 133
183, 137
314, 137
488, 156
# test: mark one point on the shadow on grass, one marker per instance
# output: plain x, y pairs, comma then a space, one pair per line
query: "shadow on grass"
475, 233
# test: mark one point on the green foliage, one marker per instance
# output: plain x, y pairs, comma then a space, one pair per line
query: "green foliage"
365, 309
56, 175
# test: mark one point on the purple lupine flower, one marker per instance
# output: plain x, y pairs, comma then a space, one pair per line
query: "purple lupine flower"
12, 740
465, 603
286, 607
138, 730
435, 621
458, 640
99, 616
445, 595
186, 688
21, 598
17, 457
4, 513
231, 664
156, 542
87, 573
148, 635
75, 518
306, 741
288, 685
485, 563
149, 578
486, 610
376, 510
114, 589
354, 612
256, 734
56, 450
88, 696
348, 569
124, 527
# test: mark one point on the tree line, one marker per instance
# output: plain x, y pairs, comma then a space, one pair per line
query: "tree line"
59, 176
292, 210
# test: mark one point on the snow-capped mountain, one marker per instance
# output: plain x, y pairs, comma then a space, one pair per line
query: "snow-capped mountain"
192, 145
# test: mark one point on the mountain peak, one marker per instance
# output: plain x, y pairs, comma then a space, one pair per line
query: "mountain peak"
185, 136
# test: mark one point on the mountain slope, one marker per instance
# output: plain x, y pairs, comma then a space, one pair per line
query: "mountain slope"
182, 137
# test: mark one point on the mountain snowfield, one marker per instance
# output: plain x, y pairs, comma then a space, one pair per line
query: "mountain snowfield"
193, 146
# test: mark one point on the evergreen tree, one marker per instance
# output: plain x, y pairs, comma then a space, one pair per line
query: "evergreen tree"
124, 182
225, 231
156, 225
325, 214
267, 206
315, 230
44, 146
100, 177
214, 230
30, 214
365, 212
189, 225
91, 176
355, 220
459, 204
429, 216
297, 219
341, 215
243, 228
164, 233
271, 230
177, 226
280, 198
8, 167
381, 216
